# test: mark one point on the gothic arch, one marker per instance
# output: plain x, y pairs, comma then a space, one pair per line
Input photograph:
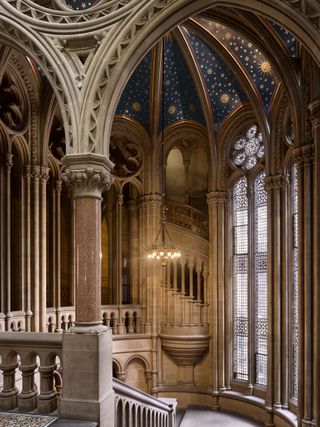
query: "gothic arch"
149, 25
20, 36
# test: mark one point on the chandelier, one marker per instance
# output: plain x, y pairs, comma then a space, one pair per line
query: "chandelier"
163, 247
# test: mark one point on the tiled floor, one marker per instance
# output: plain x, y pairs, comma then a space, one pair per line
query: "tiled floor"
23, 420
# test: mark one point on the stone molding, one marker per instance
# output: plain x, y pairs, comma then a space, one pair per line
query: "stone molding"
151, 199
8, 161
314, 108
304, 155
217, 198
276, 182
87, 175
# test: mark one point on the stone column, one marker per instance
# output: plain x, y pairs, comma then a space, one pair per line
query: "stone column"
150, 272
87, 176
276, 187
43, 178
34, 242
119, 251
57, 252
304, 161
27, 184
186, 165
6, 236
315, 117
134, 247
217, 202
87, 349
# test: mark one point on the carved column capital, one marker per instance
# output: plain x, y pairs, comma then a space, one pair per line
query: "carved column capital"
58, 185
7, 161
217, 198
304, 155
276, 182
314, 108
87, 175
27, 172
44, 174
152, 199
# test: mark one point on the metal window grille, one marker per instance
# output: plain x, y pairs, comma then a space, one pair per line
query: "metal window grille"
294, 283
260, 279
240, 279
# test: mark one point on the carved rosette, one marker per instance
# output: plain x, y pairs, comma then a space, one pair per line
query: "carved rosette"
87, 175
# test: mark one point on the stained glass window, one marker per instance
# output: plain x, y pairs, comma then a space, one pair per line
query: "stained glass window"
260, 278
294, 283
248, 149
240, 279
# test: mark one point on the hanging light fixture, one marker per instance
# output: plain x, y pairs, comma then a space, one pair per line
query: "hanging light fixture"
163, 247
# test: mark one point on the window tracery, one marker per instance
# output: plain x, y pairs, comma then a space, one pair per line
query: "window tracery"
248, 149
249, 222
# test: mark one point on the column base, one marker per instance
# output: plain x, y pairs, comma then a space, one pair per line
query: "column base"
88, 328
87, 393
47, 404
27, 402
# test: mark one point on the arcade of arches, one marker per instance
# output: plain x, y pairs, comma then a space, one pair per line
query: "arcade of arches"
107, 105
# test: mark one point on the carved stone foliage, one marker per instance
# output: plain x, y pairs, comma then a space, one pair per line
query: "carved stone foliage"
87, 175
11, 104
126, 156
87, 182
57, 143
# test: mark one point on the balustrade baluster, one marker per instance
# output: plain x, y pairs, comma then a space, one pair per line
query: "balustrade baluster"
130, 323
47, 399
9, 393
27, 399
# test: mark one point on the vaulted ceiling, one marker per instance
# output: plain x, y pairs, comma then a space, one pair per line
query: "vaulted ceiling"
214, 63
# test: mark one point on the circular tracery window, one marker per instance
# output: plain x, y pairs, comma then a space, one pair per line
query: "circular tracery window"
248, 149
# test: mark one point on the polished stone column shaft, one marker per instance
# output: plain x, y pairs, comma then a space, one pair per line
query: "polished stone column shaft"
87, 176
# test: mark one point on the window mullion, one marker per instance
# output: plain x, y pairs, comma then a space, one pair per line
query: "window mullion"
251, 296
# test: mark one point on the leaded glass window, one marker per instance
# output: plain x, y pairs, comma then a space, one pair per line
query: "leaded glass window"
248, 149
294, 283
240, 279
260, 279
250, 278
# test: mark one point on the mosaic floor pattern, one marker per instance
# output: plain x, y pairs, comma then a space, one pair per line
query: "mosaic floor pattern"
23, 420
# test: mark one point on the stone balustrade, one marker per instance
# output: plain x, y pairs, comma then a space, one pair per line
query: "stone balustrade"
124, 319
138, 409
188, 217
30, 376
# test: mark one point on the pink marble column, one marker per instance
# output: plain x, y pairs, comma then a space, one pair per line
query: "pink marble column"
87, 175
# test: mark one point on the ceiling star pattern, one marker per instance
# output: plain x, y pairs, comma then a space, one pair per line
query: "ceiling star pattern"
135, 99
181, 100
224, 90
80, 4
258, 67
288, 39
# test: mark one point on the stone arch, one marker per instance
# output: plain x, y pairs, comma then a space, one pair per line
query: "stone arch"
22, 37
237, 123
150, 24
134, 376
